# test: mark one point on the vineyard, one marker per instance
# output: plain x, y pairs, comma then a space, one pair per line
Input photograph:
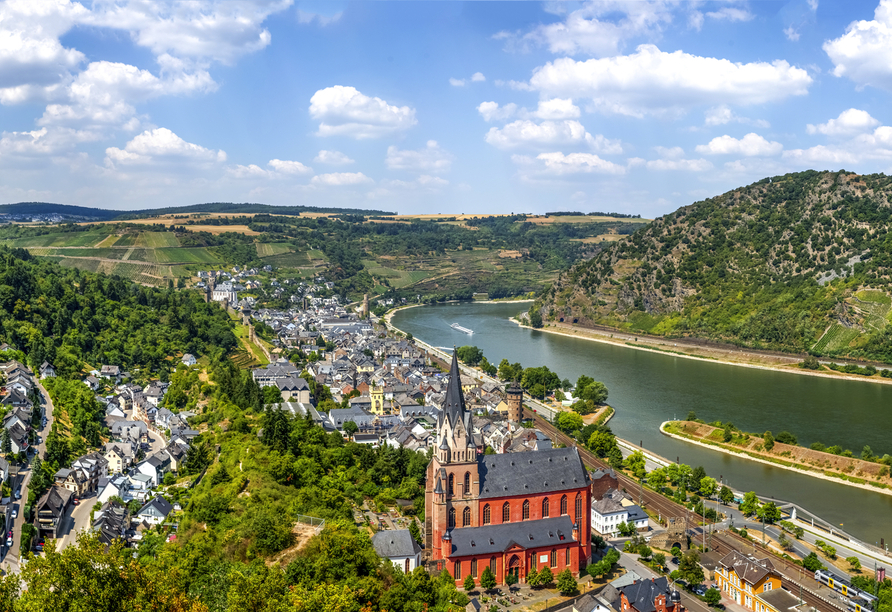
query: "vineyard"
874, 307
270, 249
837, 338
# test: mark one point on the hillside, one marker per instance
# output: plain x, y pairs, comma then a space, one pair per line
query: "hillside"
797, 263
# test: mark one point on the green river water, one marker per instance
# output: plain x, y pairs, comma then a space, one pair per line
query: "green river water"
648, 388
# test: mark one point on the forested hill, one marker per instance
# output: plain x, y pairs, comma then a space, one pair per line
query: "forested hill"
69, 317
799, 262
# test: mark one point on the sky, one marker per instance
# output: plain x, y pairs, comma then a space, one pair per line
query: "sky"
436, 107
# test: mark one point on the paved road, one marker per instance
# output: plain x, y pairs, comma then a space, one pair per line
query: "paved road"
77, 520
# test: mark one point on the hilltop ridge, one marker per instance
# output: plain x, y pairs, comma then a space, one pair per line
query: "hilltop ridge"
799, 262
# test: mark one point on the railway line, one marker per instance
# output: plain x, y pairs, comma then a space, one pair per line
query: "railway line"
722, 543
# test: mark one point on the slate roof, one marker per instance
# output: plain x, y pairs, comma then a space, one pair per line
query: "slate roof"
544, 471
641, 595
54, 500
779, 599
395, 543
161, 505
607, 506
490, 539
454, 404
748, 568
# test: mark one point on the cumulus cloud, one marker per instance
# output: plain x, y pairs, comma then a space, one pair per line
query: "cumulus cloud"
875, 145
220, 30
306, 17
527, 133
686, 165
552, 109
598, 28
432, 158
750, 145
161, 145
651, 81
478, 77
491, 111
850, 122
558, 164
864, 52
289, 167
42, 142
457, 82
336, 179
344, 111
730, 13
332, 158
278, 168
722, 115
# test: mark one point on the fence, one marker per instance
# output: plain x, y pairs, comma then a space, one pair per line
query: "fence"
318, 524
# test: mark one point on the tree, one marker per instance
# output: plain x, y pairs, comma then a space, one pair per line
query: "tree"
533, 577
854, 563
767, 441
785, 437
750, 504
535, 319
590, 390
635, 463
645, 551
727, 434
697, 474
626, 529
566, 584
602, 442
657, 478
469, 583
568, 421
659, 560
487, 579
616, 458
726, 495
712, 597
470, 355
5, 442
769, 513
350, 428
546, 577
692, 416
689, 566
414, 531
708, 486
812, 563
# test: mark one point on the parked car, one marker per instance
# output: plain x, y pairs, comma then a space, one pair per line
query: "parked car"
9, 542
18, 494
76, 501
700, 590
15, 512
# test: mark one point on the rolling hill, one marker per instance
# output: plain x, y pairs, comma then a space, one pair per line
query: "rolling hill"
799, 262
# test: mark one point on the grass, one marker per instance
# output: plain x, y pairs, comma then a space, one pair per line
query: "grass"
160, 239
270, 249
289, 260
241, 332
186, 255
836, 338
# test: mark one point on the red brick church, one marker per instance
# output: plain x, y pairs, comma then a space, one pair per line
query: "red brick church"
511, 512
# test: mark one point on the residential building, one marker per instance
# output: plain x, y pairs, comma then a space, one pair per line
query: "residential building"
50, 511
189, 359
652, 595
743, 577
155, 511
400, 547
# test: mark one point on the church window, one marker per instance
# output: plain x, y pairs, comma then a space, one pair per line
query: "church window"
451, 518
458, 570
526, 509
451, 484
466, 518
407, 566
563, 504
492, 565
486, 515
467, 490
506, 512
553, 558
567, 557
474, 567
545, 508
579, 510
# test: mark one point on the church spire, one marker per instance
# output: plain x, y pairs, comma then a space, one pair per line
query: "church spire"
454, 406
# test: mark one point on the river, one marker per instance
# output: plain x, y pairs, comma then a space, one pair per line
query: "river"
648, 388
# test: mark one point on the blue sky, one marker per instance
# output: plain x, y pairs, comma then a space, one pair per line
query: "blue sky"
425, 107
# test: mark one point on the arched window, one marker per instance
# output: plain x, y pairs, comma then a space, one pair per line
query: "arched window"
486, 515
467, 490
506, 513
451, 518
474, 567
526, 509
563, 504
407, 566
466, 518
579, 510
458, 570
567, 557
451, 484
545, 508
553, 558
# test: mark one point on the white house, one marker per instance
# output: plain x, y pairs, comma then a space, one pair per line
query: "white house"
608, 513
155, 511
400, 547
189, 359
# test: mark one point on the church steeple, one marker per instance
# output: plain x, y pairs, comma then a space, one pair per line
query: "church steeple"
454, 406
454, 429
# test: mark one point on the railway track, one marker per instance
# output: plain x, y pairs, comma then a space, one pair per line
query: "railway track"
723, 544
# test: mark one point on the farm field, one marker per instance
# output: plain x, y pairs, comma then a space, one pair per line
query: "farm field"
275, 248
836, 338
156, 240
186, 255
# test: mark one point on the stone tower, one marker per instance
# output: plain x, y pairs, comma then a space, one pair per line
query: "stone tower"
365, 305
514, 399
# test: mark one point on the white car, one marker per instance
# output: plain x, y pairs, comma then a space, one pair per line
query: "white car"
8, 542
15, 512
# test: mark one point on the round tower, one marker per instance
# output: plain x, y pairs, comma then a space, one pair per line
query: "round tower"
514, 399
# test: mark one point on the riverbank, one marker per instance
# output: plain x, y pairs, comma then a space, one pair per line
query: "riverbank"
687, 350
388, 317
828, 476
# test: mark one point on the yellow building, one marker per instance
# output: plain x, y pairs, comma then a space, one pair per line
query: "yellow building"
743, 578
377, 395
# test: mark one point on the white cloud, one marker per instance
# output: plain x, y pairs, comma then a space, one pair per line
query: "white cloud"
557, 108
43, 142
821, 155
278, 169
344, 111
336, 179
306, 17
250, 171
332, 158
33, 62
598, 28
687, 165
850, 122
750, 145
491, 111
528, 133
425, 181
791, 33
553, 109
457, 82
222, 30
730, 13
429, 159
864, 52
651, 81
289, 167
722, 115
160, 145
478, 77
875, 145
556, 163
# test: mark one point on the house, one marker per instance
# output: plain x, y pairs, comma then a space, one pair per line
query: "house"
111, 522
119, 456
779, 600
155, 511
400, 547
155, 467
612, 510
71, 480
188, 359
16, 399
177, 454
743, 577
18, 439
110, 371
116, 486
50, 511
92, 382
652, 595
294, 389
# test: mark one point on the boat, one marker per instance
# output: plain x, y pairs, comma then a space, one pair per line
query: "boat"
458, 327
